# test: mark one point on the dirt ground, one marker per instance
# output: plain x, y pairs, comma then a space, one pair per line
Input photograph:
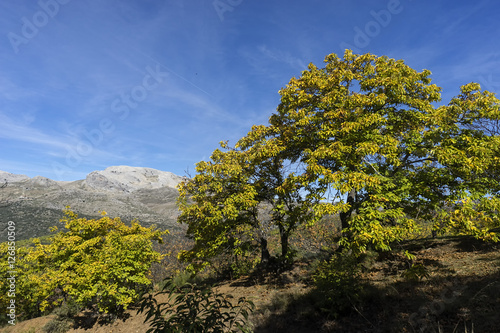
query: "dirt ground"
461, 288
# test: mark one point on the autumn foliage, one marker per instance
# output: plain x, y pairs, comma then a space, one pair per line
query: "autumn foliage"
98, 264
363, 138
359, 155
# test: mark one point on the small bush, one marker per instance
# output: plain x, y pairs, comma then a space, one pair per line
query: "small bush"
182, 278
243, 267
337, 282
64, 320
101, 264
193, 309
415, 273
57, 326
67, 310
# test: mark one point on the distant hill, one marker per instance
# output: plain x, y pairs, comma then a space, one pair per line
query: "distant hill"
36, 204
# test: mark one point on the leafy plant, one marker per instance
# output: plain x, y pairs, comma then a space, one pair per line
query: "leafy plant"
57, 326
337, 281
97, 264
64, 318
416, 273
193, 309
361, 138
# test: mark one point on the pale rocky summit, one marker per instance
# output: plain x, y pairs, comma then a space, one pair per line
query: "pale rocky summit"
7, 177
42, 181
130, 179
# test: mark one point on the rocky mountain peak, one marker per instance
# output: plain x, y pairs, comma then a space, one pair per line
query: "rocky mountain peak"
129, 179
7, 177
36, 204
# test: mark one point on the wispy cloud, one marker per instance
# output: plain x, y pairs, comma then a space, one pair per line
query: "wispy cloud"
458, 16
269, 61
13, 130
283, 57
222, 78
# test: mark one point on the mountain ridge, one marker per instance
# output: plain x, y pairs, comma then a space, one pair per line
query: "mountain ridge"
37, 203
125, 174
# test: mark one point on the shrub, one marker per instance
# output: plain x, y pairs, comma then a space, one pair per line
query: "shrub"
415, 273
99, 264
337, 283
57, 326
193, 309
64, 318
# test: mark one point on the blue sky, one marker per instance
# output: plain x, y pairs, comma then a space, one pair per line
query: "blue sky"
89, 84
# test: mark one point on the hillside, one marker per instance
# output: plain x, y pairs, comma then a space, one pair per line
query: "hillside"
36, 204
461, 293
454, 285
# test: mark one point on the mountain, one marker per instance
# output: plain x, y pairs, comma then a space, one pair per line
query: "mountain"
36, 204
129, 179
10, 177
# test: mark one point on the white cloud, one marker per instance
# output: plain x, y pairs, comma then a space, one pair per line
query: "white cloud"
283, 57
13, 130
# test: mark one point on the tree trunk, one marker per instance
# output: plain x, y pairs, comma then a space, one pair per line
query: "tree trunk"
265, 256
284, 241
344, 216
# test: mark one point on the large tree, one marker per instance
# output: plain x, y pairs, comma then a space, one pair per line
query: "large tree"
236, 199
368, 133
219, 207
362, 138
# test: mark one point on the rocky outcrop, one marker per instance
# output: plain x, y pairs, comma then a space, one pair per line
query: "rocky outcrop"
7, 177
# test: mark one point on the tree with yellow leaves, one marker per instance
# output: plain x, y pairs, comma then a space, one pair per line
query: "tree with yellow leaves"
362, 138
99, 264
234, 202
382, 155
